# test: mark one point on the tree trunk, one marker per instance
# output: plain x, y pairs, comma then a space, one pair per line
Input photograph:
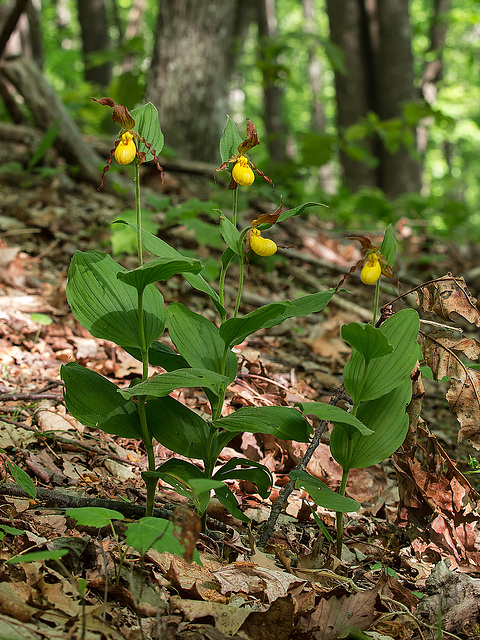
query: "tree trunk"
375, 37
92, 16
272, 90
400, 171
354, 89
188, 81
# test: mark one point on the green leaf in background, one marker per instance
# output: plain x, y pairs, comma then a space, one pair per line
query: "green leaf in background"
282, 422
22, 479
178, 474
177, 427
41, 318
95, 402
235, 330
160, 355
230, 234
387, 418
161, 249
387, 372
107, 307
94, 516
198, 341
388, 248
333, 414
38, 556
158, 270
230, 140
147, 125
367, 340
155, 533
46, 143
321, 494
164, 383
242, 469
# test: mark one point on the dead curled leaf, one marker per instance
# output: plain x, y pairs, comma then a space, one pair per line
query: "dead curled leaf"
333, 617
449, 298
463, 396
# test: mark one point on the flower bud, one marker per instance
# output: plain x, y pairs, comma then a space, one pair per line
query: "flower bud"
372, 269
261, 246
126, 149
242, 173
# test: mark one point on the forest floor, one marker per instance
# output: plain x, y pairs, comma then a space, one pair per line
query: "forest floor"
412, 553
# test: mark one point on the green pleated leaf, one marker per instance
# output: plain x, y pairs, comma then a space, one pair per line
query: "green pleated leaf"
22, 478
179, 474
177, 427
155, 533
161, 355
241, 469
283, 422
387, 372
321, 494
333, 414
161, 249
230, 140
367, 340
165, 383
291, 213
147, 125
158, 270
230, 234
387, 418
388, 248
94, 401
235, 330
94, 516
303, 306
107, 307
226, 497
198, 341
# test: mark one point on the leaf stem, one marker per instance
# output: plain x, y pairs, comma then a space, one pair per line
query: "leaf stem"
375, 304
151, 483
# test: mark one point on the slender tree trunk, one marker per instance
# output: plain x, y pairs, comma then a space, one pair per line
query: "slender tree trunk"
400, 171
188, 80
273, 91
354, 89
92, 16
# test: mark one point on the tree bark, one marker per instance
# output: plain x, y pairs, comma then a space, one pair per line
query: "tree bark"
92, 16
273, 91
188, 79
354, 89
400, 171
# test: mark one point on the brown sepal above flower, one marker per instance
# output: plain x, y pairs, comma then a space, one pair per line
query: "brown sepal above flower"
267, 218
121, 115
251, 140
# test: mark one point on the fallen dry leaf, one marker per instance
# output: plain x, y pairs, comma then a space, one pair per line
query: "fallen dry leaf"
227, 619
335, 616
449, 298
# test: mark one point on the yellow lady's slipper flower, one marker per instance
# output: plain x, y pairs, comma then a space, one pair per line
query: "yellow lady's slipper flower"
242, 173
126, 150
372, 269
261, 246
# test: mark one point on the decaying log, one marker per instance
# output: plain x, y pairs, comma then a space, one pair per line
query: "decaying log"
46, 108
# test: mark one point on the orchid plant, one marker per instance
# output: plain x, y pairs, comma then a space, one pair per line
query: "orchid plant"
127, 307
